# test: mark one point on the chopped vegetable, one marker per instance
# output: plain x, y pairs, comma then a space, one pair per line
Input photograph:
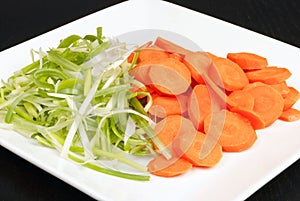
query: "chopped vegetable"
77, 99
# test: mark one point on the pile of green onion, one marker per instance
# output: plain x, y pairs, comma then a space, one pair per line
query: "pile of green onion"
78, 99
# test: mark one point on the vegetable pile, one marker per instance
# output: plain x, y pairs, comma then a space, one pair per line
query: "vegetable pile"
104, 105
205, 105
77, 99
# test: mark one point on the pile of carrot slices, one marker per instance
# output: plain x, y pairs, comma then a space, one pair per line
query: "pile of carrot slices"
198, 93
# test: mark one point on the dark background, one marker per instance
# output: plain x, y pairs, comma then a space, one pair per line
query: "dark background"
22, 20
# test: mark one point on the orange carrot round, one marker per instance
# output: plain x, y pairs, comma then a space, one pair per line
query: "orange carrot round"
268, 102
152, 54
192, 154
237, 133
269, 75
199, 105
248, 61
160, 166
172, 127
282, 88
255, 119
291, 114
242, 98
291, 98
170, 76
232, 76
166, 105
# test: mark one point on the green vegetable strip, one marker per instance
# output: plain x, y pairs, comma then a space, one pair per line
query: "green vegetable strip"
9, 114
99, 49
110, 171
68, 41
62, 62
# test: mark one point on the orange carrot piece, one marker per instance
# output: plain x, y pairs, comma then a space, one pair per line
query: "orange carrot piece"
171, 127
256, 120
160, 166
269, 75
237, 133
170, 76
151, 54
170, 46
291, 114
291, 98
212, 56
282, 87
242, 98
166, 105
232, 76
268, 102
248, 61
199, 105
203, 61
141, 73
192, 154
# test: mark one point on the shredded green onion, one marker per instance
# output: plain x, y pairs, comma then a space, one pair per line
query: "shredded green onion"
77, 99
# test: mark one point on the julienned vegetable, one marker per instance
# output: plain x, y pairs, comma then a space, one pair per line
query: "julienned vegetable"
77, 99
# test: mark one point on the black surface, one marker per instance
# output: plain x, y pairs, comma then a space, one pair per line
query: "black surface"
22, 20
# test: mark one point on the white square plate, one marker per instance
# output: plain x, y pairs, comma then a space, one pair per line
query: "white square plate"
237, 176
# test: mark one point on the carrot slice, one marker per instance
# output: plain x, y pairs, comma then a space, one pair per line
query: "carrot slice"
232, 76
203, 62
290, 114
172, 127
242, 99
248, 61
192, 154
268, 102
282, 88
160, 166
170, 76
237, 133
212, 56
166, 105
269, 75
256, 120
170, 46
291, 98
199, 105
151, 54
141, 73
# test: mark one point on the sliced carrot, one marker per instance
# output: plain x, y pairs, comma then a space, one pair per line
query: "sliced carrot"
232, 76
160, 166
248, 61
198, 63
172, 127
166, 105
282, 87
291, 114
170, 76
152, 54
141, 73
212, 56
269, 75
291, 98
192, 154
242, 98
199, 105
170, 46
254, 118
237, 133
268, 102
